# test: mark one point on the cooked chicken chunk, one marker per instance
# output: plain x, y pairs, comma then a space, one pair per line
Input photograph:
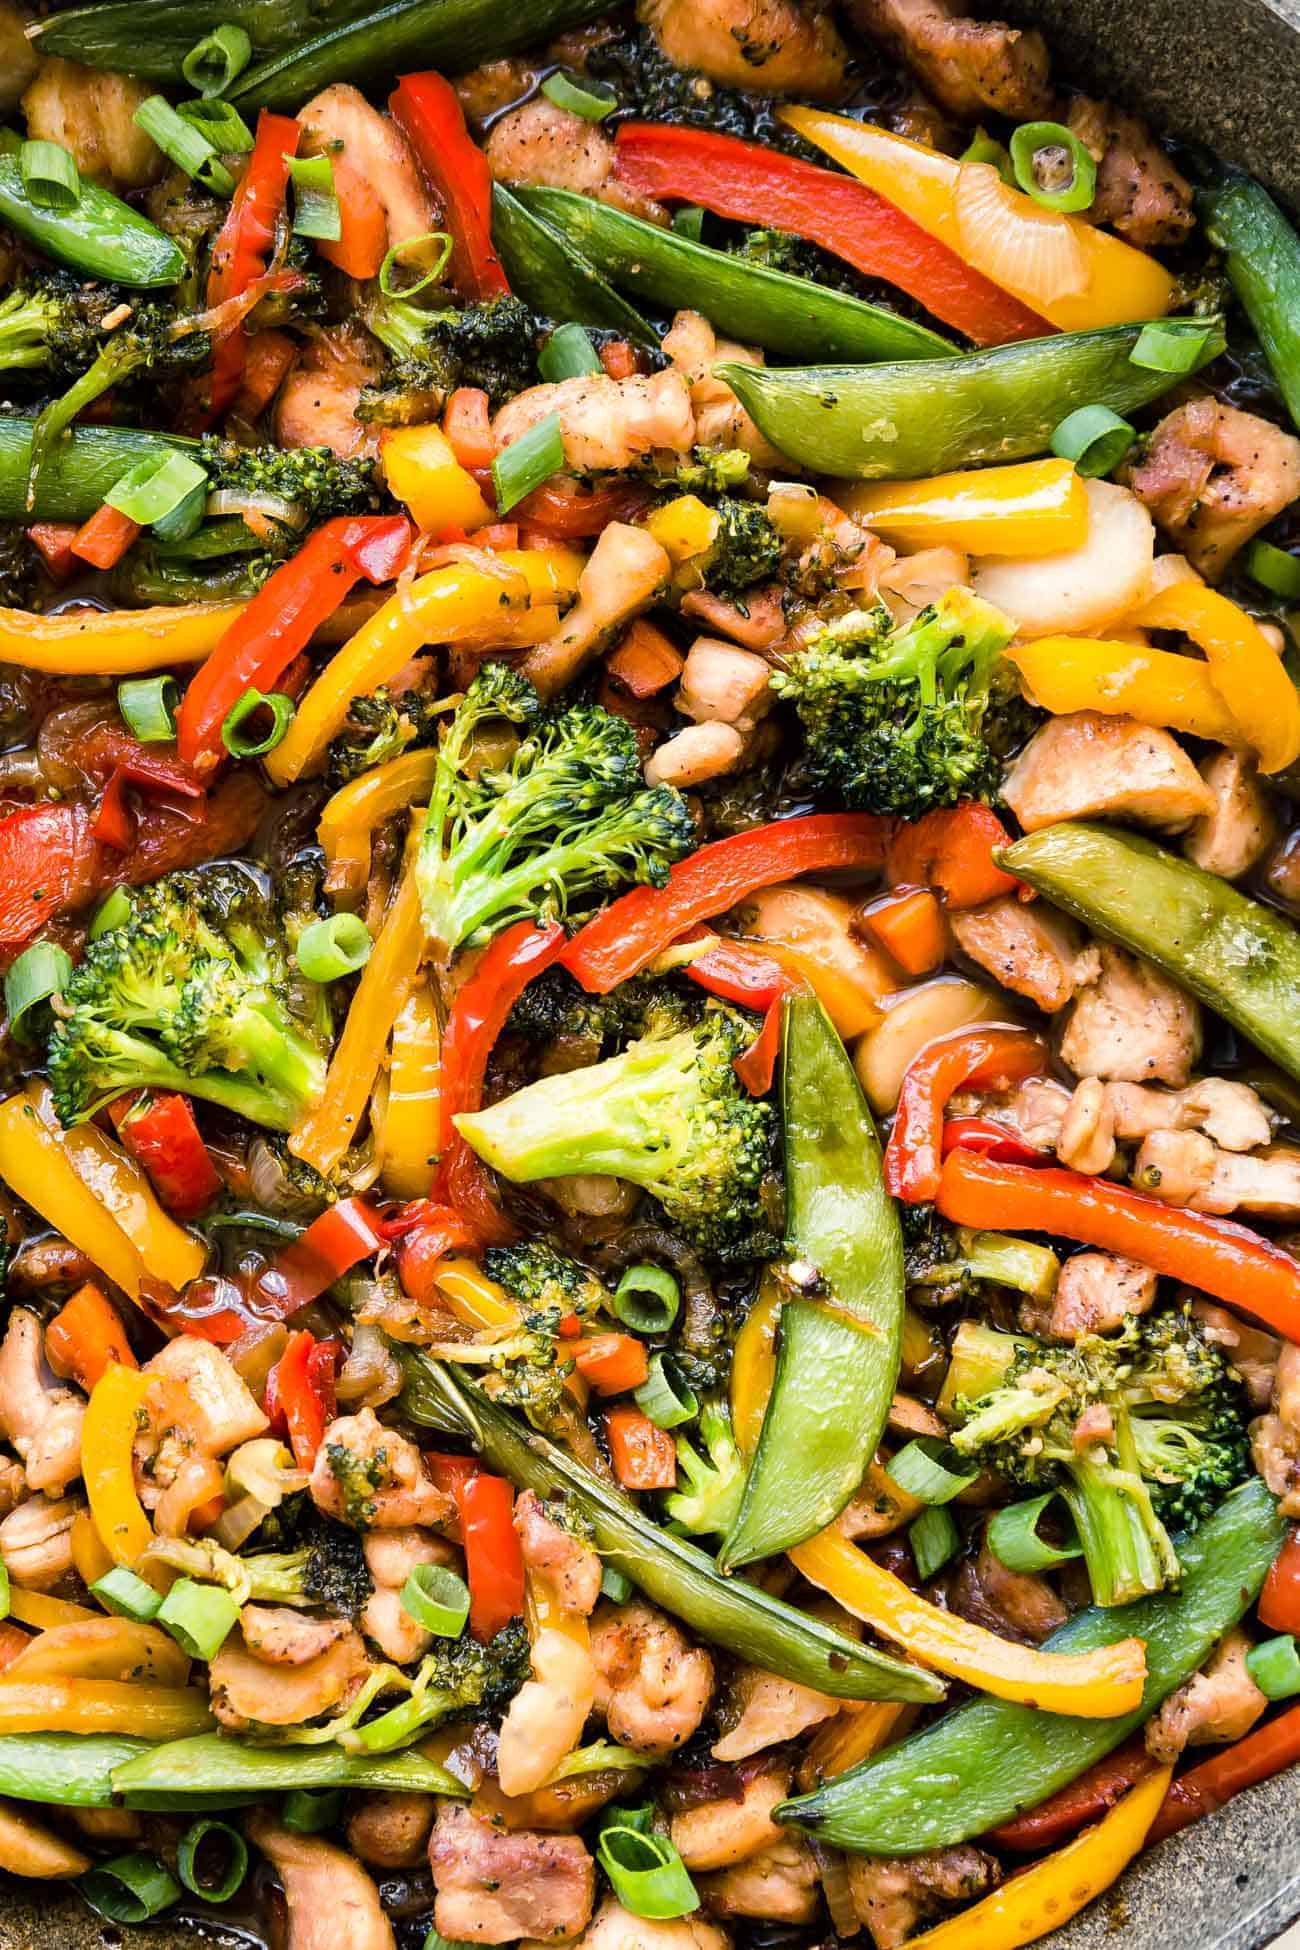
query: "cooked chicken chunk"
720, 419
1139, 193
495, 1886
391, 1556
42, 1422
1086, 765
317, 404
767, 1710
1238, 833
391, 1831
714, 1834
607, 424
362, 143
1096, 1292
652, 1685
1233, 1115
249, 1692
1131, 1023
613, 1928
220, 1409
1026, 947
542, 144
285, 1636
780, 1885
1252, 1352
373, 1478
331, 1901
1274, 1438
1034, 1110
969, 66
622, 576
757, 625
876, 1507
1221, 1703
1184, 1168
1015, 1604
1213, 476
722, 684
690, 757
770, 47
36, 1541
91, 111
18, 58
892, 1895
569, 1566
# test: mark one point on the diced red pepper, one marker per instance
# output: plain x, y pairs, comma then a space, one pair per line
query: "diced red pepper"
299, 1400
244, 243
618, 358
494, 1558
756, 1066
332, 1245
614, 1364
53, 540
644, 1456
43, 855
114, 821
952, 851
740, 973
159, 1132
1279, 1601
428, 112
467, 423
645, 662
914, 1154
105, 538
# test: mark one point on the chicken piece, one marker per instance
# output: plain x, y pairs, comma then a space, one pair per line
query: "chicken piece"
317, 404
391, 1555
391, 1831
1184, 1168
1252, 1352
1087, 766
607, 424
622, 576
1132, 1024
388, 1625
1220, 1703
284, 1636
767, 47
19, 60
1017, 1605
570, 1567
1139, 193
36, 1541
876, 1508
714, 1834
248, 1692
13, 1485
1274, 1438
1027, 948
49, 1261
1087, 1137
692, 756
768, 1710
891, 1895
969, 66
1035, 1110
540, 143
722, 684
1213, 476
780, 1885
91, 111
720, 419
42, 1422
494, 1885
488, 90
340, 123
652, 1685
219, 1408
758, 625
1097, 1292
373, 1478
331, 1901
1238, 833
614, 1928
1232, 1115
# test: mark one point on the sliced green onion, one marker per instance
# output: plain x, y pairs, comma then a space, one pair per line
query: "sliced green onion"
436, 1941
1095, 439
186, 518
933, 1537
614, 1586
50, 176
647, 1299
211, 1836
305, 1811
316, 210
223, 125
688, 221
983, 149
184, 144
648, 1875
592, 100
154, 488
121, 1591
212, 63
129, 1889
115, 912
1014, 1540
527, 462
149, 706
664, 1397
429, 255
567, 354
200, 1617
329, 949
437, 1599
1275, 1667
1274, 569
1050, 141
1170, 345
39, 972
928, 1469
248, 745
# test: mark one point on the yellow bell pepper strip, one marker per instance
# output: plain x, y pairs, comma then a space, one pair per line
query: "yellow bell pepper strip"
351, 816
103, 1648
1035, 507
1247, 672
423, 471
411, 1117
113, 643
1091, 1685
90, 1560
753, 1365
1157, 687
1118, 285
448, 605
107, 1441
37, 1608
324, 1134
475, 1300
1040, 1900
102, 1706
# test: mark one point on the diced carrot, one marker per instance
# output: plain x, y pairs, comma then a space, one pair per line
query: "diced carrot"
612, 1363
363, 240
467, 423
86, 1336
618, 359
53, 540
951, 850
645, 661
266, 361
105, 538
644, 1457
908, 925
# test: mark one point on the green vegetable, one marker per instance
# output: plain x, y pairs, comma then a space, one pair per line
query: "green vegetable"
305, 1812
148, 707
154, 38
1172, 345
556, 279
154, 489
212, 63
248, 710
592, 101
316, 210
40, 972
926, 1469
729, 1612
99, 237
668, 1400
789, 315
1014, 1540
1039, 152
954, 1262
646, 1872
436, 1599
232, 1860
839, 1346
894, 422
1095, 439
934, 1539
567, 353
216, 1762
528, 462
1274, 1666
990, 1760
129, 1889
1241, 958
184, 143
50, 175
69, 1770
1263, 254
1274, 569
708, 1501
431, 352
647, 1299
200, 1617
333, 948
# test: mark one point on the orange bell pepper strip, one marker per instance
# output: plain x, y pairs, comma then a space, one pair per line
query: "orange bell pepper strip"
412, 1115
644, 1456
986, 1056
113, 643
102, 1706
1246, 670
1157, 687
1091, 1685
362, 243
107, 1442
952, 850
351, 816
614, 1364
86, 1336
1034, 507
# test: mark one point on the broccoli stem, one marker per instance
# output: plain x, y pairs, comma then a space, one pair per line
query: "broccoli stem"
1125, 1545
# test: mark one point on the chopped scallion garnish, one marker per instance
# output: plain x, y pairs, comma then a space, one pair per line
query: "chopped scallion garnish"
1095, 439
184, 143
212, 63
1052, 165
316, 211
592, 100
527, 462
50, 175
241, 744
148, 705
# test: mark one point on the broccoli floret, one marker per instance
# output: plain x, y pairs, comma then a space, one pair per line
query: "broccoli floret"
1165, 1438
316, 478
56, 324
542, 836
746, 548
710, 1505
554, 1005
777, 250
712, 470
492, 345
329, 1570
893, 718
669, 1114
527, 1364
189, 993
955, 1262
377, 728
540, 1279
487, 1676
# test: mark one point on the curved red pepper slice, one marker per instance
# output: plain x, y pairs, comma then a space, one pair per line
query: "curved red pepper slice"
494, 1559
739, 973
160, 1133
991, 1140
244, 243
1247, 1762
332, 1245
299, 1401
428, 112
914, 1154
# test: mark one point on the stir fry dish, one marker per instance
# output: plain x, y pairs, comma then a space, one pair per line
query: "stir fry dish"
649, 902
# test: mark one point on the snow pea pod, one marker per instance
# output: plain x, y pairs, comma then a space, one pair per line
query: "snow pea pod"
214, 1763
1240, 957
68, 1770
78, 474
101, 236
152, 37
1263, 254
789, 315
839, 1348
677, 1575
901, 420
989, 1760
555, 276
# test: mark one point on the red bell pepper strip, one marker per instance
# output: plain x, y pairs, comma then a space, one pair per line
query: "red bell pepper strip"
756, 1066
426, 109
53, 541
739, 973
991, 1140
332, 1245
914, 1154
477, 1017
299, 1400
114, 823
105, 538
1227, 1260
1086, 1799
159, 1132
754, 185
244, 243
1211, 1785
1279, 1601
283, 616
494, 1558
951, 850
564, 507
426, 1242
642, 923
43, 850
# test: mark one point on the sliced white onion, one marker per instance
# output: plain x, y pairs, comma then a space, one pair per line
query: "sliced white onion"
273, 507
1035, 254
1081, 589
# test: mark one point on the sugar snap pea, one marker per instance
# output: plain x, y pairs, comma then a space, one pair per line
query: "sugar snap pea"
101, 236
1263, 253
152, 37
214, 1763
555, 276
